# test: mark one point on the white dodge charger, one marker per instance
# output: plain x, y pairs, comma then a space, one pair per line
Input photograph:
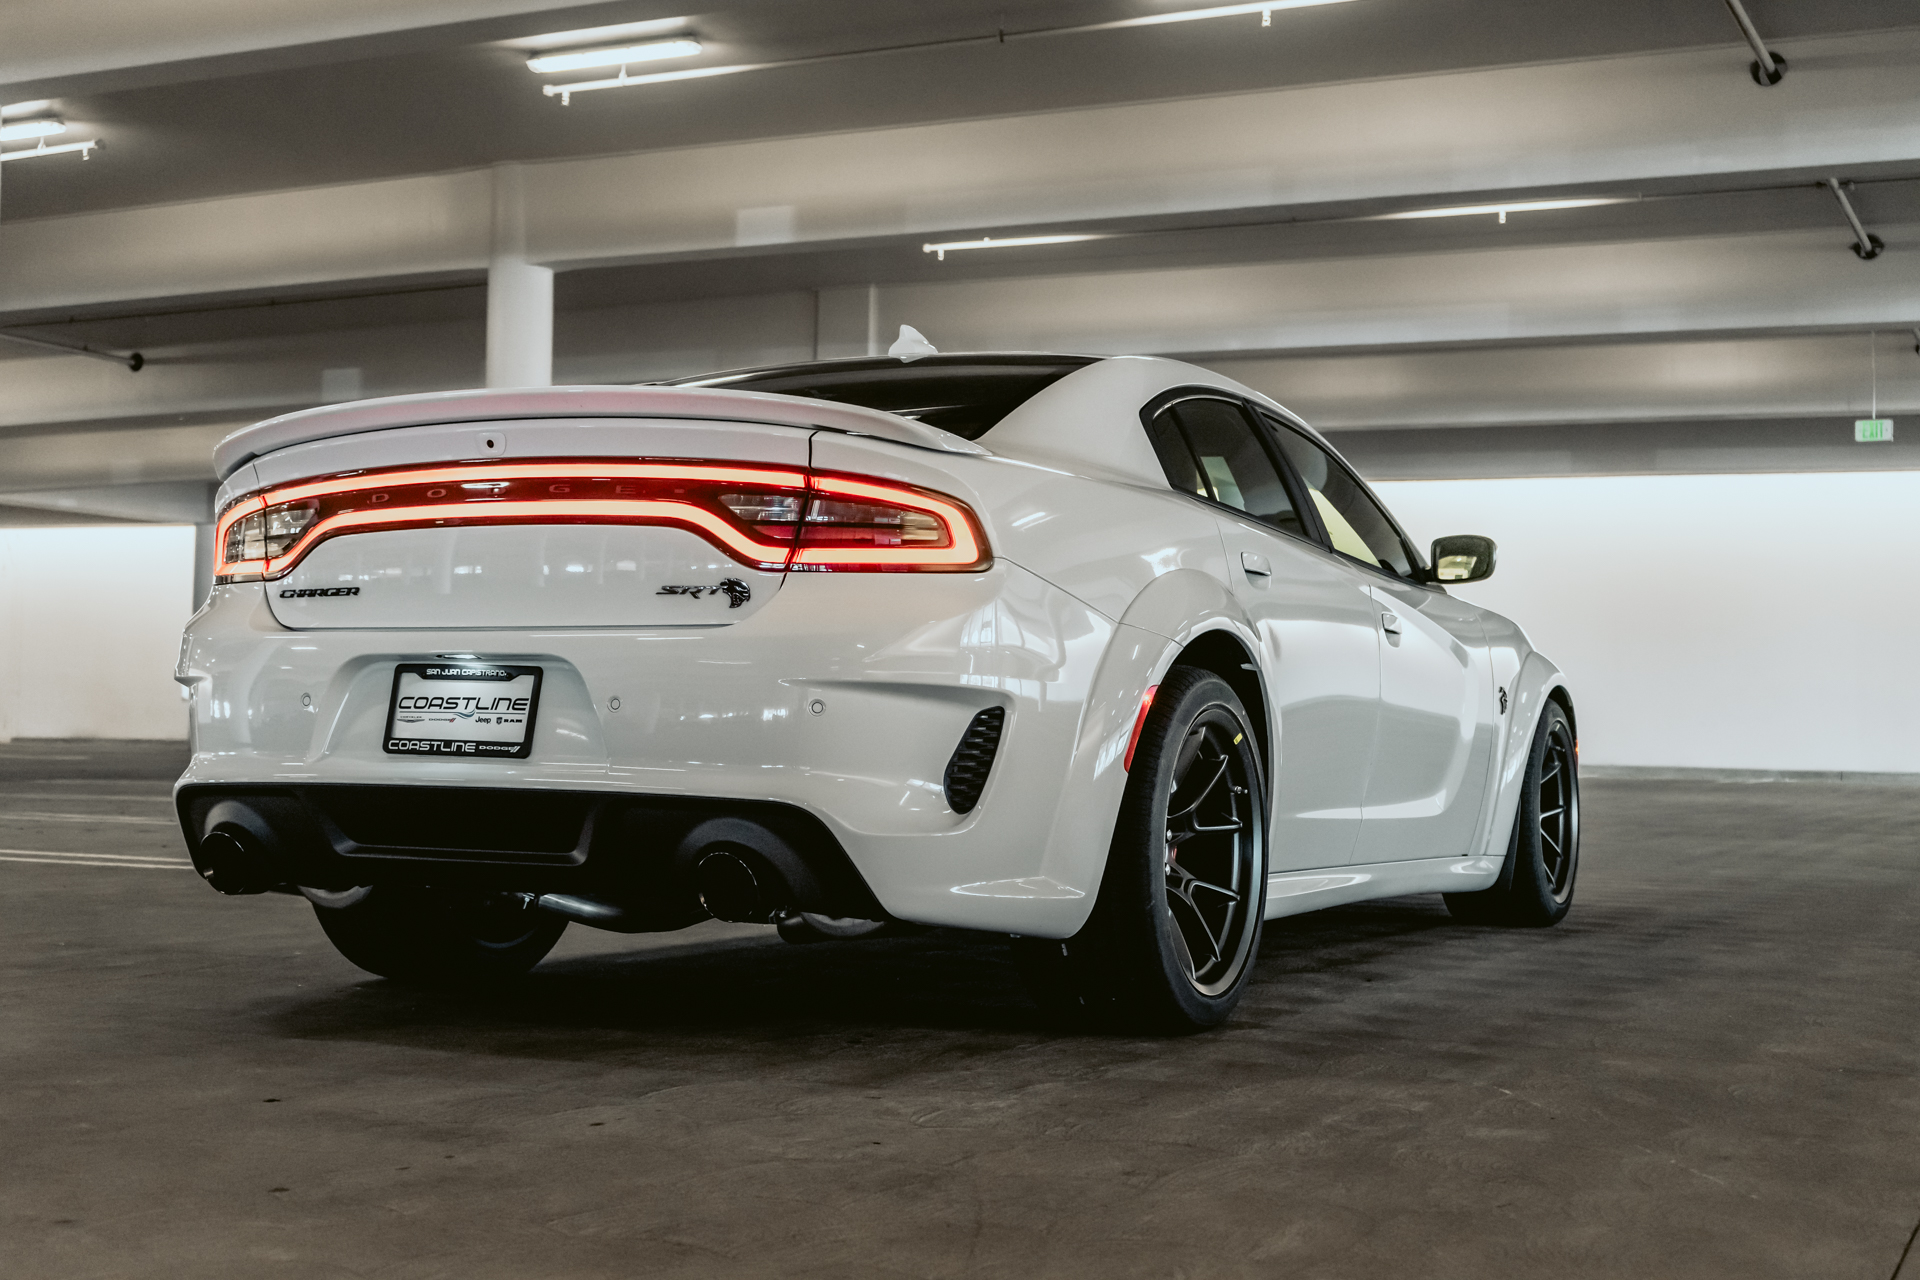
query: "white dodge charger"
1113, 655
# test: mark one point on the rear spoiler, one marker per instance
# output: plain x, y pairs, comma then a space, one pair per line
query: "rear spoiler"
522, 403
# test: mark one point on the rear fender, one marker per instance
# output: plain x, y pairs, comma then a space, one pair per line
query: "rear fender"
1175, 610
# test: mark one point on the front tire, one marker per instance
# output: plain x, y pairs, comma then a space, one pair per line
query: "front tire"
1535, 888
1173, 936
423, 935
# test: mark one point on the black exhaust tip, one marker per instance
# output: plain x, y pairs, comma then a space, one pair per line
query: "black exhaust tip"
237, 853
231, 861
731, 888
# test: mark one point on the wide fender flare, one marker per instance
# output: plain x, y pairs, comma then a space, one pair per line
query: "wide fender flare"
1167, 616
1535, 684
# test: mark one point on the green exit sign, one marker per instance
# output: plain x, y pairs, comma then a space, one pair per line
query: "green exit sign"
1872, 430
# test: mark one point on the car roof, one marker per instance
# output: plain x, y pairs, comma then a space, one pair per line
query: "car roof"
1089, 421
964, 393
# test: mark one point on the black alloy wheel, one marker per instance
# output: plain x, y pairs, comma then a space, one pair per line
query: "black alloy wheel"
1559, 812
1213, 850
1176, 928
1536, 882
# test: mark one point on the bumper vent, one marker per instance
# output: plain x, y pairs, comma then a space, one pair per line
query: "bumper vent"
973, 759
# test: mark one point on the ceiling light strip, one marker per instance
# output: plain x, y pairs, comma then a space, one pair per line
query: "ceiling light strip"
1008, 242
28, 153
1511, 206
564, 92
31, 129
654, 51
623, 80
1201, 15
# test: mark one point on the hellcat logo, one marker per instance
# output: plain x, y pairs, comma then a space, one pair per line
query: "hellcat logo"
301, 593
736, 591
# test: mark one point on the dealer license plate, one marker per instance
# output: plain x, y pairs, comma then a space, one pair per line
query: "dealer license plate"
462, 709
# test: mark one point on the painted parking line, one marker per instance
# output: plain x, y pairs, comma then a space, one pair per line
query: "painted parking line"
28, 816
125, 861
43, 796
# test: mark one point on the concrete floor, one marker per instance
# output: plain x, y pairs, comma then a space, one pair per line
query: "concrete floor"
1709, 1070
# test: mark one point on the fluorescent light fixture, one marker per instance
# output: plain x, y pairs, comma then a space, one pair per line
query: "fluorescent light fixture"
565, 91
620, 57
27, 153
30, 129
1516, 206
1011, 242
25, 108
1217, 11
587, 36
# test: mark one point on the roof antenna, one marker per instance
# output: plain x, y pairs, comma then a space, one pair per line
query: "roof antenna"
911, 345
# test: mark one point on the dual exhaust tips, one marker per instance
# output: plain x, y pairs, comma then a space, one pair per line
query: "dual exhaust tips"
240, 854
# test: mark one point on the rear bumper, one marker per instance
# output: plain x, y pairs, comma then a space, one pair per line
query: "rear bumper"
640, 851
828, 718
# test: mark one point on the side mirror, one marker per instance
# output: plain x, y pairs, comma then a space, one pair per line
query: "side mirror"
1463, 557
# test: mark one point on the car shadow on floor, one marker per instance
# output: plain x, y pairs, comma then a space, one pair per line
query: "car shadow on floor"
937, 981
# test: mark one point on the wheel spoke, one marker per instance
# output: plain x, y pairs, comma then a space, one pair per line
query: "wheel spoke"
1199, 921
1212, 782
1197, 883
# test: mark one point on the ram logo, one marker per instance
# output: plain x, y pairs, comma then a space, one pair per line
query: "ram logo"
736, 591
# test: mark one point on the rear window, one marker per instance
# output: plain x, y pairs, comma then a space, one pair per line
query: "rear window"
966, 395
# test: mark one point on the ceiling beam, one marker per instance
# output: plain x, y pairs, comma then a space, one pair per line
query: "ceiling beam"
1378, 146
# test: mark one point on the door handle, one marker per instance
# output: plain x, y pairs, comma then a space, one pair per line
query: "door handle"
1256, 564
1390, 624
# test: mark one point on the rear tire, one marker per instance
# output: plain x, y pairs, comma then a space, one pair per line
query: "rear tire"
423, 935
1176, 929
1535, 887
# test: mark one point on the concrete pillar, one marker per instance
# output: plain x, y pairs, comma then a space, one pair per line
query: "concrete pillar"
202, 563
847, 322
519, 294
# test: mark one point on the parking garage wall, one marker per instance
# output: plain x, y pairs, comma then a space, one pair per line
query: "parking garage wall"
90, 623
1709, 621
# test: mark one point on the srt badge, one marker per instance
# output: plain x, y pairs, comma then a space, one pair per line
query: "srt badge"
736, 591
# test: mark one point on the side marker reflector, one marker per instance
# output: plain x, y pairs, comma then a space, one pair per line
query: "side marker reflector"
1139, 723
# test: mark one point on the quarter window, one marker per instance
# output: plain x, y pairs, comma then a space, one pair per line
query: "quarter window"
1356, 525
1210, 449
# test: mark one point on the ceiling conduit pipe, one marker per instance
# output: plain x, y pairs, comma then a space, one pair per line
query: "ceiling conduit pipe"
133, 361
1768, 68
1866, 246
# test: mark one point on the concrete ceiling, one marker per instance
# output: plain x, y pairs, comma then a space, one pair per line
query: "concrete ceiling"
293, 202
379, 91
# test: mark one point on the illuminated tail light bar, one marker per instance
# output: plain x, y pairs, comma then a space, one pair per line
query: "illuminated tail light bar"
765, 517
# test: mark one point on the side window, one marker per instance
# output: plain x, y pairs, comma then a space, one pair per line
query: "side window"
1209, 448
1175, 458
1356, 526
